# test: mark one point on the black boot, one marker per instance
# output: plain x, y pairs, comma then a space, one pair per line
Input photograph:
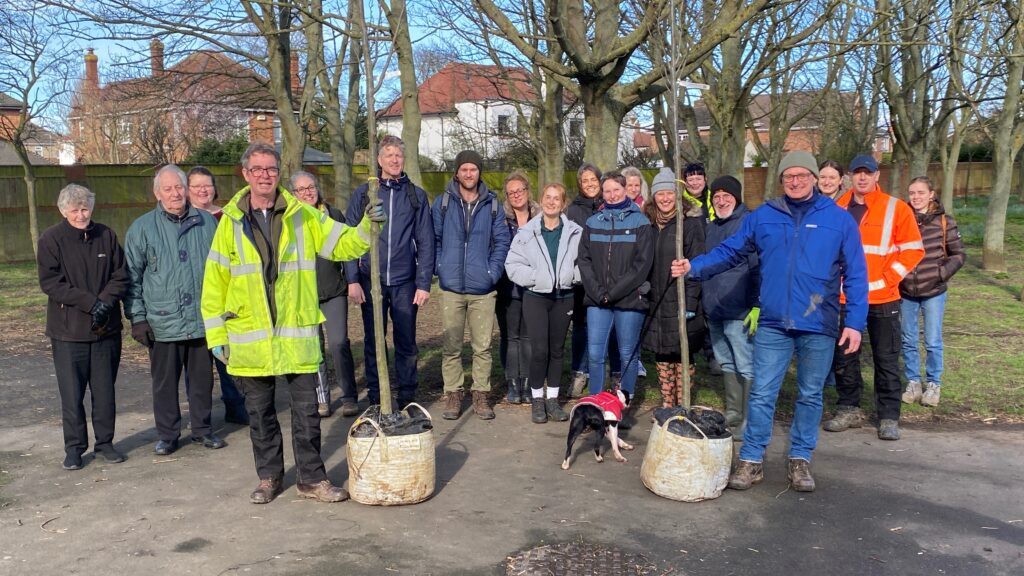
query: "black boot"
538, 413
513, 391
555, 411
524, 391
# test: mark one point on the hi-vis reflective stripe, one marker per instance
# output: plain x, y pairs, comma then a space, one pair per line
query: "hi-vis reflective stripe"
279, 332
239, 245
215, 322
242, 269
300, 249
900, 269
911, 245
297, 265
883, 248
219, 258
876, 285
305, 332
331, 241
247, 337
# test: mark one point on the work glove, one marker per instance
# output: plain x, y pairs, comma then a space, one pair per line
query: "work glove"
100, 316
750, 322
375, 211
690, 315
221, 353
143, 334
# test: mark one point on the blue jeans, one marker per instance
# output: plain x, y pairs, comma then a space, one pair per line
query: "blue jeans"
773, 350
734, 349
579, 338
932, 308
627, 324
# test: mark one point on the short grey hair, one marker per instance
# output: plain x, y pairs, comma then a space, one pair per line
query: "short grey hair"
631, 172
173, 170
259, 148
392, 141
74, 195
299, 174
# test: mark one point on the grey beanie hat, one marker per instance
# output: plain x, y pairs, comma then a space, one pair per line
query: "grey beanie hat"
469, 157
664, 180
798, 159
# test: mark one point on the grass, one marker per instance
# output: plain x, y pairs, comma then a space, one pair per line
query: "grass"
20, 297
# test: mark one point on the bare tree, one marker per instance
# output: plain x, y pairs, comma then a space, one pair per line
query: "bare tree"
397, 15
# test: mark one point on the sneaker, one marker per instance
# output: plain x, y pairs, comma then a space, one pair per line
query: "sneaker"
555, 411
538, 411
211, 441
109, 454
481, 407
579, 384
641, 372
930, 397
72, 461
349, 409
799, 475
746, 475
452, 405
268, 489
323, 409
845, 417
913, 393
888, 429
323, 491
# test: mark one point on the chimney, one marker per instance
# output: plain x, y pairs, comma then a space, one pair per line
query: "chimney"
296, 84
156, 57
92, 70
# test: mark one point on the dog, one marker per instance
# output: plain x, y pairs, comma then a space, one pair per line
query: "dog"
601, 413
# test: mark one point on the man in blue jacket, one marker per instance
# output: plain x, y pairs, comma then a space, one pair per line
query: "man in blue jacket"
406, 251
471, 242
166, 253
806, 246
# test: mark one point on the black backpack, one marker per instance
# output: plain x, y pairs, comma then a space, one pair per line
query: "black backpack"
494, 214
410, 191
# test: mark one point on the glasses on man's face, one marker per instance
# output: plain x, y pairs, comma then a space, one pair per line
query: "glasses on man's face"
788, 178
306, 190
261, 171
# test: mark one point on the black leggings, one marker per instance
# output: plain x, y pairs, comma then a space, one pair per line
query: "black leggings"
547, 322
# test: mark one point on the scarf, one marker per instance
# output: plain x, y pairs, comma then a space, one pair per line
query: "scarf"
663, 218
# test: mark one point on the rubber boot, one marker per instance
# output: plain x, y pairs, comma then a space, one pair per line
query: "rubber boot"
733, 401
668, 382
746, 383
524, 391
513, 391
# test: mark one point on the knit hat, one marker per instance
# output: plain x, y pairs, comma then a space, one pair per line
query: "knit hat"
664, 180
469, 157
865, 161
728, 184
798, 159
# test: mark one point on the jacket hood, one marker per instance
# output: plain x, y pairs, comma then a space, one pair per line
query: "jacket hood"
532, 209
779, 203
535, 223
481, 188
239, 203
591, 203
738, 212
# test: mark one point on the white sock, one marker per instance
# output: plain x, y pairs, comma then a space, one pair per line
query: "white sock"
537, 393
552, 392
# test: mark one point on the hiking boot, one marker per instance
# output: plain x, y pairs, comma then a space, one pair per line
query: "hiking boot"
481, 407
323, 491
452, 405
538, 411
268, 489
913, 393
555, 411
746, 475
799, 475
349, 409
888, 429
579, 384
323, 409
845, 417
930, 397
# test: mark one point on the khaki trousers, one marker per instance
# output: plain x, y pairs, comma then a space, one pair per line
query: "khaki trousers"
456, 309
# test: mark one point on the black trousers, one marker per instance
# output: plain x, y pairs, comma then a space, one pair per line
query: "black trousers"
547, 322
885, 334
166, 360
265, 430
92, 365
514, 346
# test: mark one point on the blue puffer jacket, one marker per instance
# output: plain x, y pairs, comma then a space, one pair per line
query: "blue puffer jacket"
731, 294
801, 267
406, 241
470, 249
166, 261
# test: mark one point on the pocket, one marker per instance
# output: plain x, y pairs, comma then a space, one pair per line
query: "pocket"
163, 316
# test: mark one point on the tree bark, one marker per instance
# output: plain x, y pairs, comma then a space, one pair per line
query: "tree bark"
603, 115
30, 192
398, 20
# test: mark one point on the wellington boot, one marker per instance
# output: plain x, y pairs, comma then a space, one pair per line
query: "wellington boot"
746, 383
513, 391
669, 384
733, 400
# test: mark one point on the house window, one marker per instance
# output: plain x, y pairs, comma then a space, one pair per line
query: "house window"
575, 128
684, 137
504, 124
38, 150
124, 130
277, 130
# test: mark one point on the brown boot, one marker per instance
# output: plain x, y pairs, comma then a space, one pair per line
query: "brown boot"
268, 489
323, 491
481, 406
746, 475
799, 475
452, 405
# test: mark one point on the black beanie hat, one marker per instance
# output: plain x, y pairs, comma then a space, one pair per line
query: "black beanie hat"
469, 157
728, 184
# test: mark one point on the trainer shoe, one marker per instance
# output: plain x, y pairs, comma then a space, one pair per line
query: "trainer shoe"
109, 454
579, 384
888, 429
799, 475
913, 393
845, 417
930, 397
746, 475
72, 461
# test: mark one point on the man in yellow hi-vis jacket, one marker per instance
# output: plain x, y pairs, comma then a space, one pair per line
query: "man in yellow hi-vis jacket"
261, 314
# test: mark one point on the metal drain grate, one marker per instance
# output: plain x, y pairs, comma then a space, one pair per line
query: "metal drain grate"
577, 559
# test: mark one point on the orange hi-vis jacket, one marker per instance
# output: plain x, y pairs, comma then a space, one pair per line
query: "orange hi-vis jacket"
892, 243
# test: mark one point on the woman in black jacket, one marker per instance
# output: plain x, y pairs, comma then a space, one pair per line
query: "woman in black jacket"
82, 271
662, 335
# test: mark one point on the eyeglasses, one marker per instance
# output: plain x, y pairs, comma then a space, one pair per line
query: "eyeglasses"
306, 190
517, 191
260, 171
201, 187
787, 178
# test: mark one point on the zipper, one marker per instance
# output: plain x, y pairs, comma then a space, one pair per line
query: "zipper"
608, 252
554, 272
391, 211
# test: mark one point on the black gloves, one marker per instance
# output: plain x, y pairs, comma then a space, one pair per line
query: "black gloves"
143, 334
100, 316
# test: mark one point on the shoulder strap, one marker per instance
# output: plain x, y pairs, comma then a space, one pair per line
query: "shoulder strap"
444, 205
945, 251
414, 200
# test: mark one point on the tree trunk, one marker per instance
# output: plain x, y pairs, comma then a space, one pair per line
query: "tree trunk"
277, 21
30, 189
950, 157
398, 20
993, 252
551, 151
603, 116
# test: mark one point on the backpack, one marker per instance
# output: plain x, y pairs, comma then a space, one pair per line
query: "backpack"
410, 191
494, 214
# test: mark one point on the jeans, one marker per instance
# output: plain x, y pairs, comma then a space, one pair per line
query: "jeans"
580, 353
458, 310
547, 320
932, 309
335, 325
514, 347
734, 349
396, 301
773, 350
627, 324
884, 332
92, 365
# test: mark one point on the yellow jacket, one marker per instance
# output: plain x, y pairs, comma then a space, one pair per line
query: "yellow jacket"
235, 306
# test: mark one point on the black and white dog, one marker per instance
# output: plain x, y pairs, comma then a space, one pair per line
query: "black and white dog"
601, 413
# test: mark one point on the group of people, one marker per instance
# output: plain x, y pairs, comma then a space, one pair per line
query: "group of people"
259, 290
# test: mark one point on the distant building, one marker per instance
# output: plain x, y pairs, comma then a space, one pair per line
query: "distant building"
43, 146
